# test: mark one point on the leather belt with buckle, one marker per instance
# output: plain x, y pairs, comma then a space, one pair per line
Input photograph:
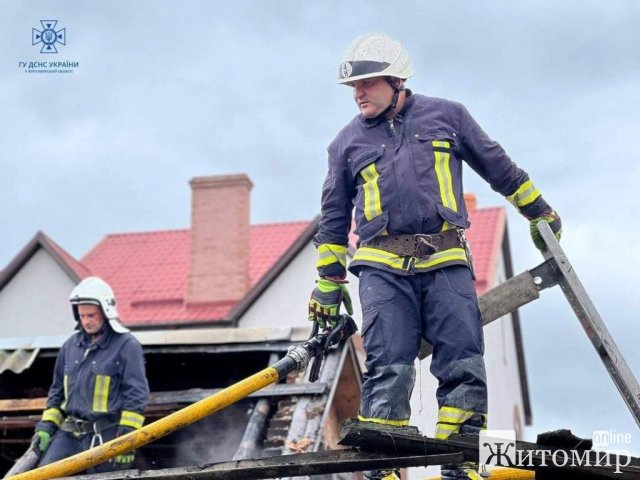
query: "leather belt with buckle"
420, 245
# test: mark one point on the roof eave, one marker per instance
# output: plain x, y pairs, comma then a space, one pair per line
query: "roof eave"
40, 240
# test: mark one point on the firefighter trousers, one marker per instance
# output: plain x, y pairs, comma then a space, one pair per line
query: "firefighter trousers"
399, 311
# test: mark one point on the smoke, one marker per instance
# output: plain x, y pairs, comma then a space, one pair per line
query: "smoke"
211, 440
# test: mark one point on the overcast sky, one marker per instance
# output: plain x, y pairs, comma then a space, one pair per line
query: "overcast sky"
167, 90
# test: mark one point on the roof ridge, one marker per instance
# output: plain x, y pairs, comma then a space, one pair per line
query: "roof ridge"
186, 229
148, 232
272, 224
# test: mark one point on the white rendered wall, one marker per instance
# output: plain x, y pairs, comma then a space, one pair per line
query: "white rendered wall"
286, 301
36, 300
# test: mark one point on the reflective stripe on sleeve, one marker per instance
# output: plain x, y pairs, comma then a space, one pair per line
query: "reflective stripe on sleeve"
53, 415
329, 254
525, 194
131, 419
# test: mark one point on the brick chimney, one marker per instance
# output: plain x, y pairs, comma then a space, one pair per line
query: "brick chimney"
470, 201
219, 242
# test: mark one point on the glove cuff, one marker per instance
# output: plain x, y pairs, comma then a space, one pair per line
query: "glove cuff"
46, 426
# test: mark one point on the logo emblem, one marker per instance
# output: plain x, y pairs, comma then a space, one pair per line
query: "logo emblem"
498, 447
346, 69
49, 36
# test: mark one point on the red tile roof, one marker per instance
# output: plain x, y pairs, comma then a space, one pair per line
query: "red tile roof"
148, 271
485, 240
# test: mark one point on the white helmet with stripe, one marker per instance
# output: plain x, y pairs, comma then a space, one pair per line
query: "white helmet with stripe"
374, 55
95, 291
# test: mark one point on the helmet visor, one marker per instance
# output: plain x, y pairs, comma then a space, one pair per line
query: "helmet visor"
361, 67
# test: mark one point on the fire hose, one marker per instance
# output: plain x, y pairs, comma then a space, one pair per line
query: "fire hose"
297, 358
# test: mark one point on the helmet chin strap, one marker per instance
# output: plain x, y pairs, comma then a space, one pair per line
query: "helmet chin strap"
394, 100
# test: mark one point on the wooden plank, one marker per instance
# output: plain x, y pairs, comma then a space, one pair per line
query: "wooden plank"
391, 441
317, 463
500, 301
23, 405
180, 396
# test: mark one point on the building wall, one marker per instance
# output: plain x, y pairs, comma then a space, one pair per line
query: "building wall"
285, 302
505, 393
36, 300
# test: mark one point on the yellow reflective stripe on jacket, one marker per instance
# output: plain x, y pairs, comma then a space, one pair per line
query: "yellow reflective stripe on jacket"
101, 393
374, 255
131, 419
368, 254
54, 415
443, 174
525, 194
452, 254
372, 203
385, 421
65, 385
329, 254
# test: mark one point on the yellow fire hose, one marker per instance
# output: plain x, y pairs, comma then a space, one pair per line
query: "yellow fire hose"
504, 474
297, 358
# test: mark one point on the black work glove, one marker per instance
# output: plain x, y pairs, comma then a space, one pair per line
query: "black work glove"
124, 461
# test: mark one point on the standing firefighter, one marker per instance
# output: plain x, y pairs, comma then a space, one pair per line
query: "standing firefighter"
99, 388
399, 162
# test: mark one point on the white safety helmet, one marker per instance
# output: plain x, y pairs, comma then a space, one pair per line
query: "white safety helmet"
95, 291
374, 55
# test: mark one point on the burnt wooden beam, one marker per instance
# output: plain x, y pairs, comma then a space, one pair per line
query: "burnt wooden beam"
158, 399
318, 463
390, 441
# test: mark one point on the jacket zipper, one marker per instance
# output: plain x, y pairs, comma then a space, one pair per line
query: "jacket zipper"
392, 127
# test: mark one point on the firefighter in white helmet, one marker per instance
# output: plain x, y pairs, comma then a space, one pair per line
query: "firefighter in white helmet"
99, 388
399, 162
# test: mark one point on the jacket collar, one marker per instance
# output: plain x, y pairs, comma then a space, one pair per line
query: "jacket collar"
372, 122
84, 340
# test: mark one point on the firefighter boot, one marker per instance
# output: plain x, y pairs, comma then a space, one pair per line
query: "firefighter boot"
466, 470
379, 428
382, 475
463, 471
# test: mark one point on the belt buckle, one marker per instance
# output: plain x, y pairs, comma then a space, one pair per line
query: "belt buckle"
78, 425
424, 247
